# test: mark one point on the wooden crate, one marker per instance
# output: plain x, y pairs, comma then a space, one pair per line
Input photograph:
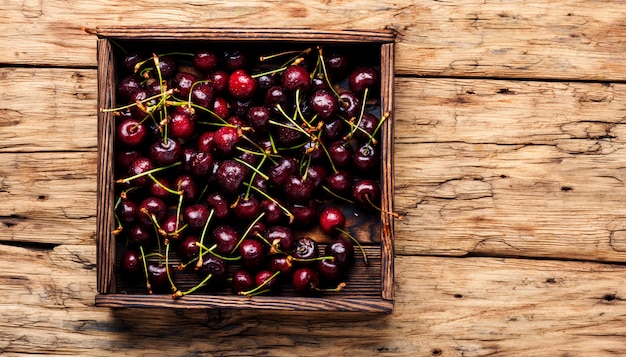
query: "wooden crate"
369, 288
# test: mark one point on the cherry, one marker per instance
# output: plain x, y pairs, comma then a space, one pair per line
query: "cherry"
252, 253
242, 281
364, 77
124, 157
230, 176
241, 85
279, 172
126, 211
157, 189
201, 163
265, 82
298, 189
366, 193
148, 207
181, 125
202, 94
305, 281
266, 280
170, 227
366, 158
333, 129
221, 107
305, 250
127, 86
273, 213
196, 215
235, 59
205, 60
317, 174
281, 263
350, 104
226, 237
225, 139
340, 153
331, 218
166, 152
296, 77
258, 118
329, 271
167, 66
205, 141
131, 263
337, 64
140, 166
130, 60
281, 238
340, 182
219, 203
140, 235
188, 247
138, 96
216, 267
288, 135
274, 97
342, 250
304, 213
366, 127
219, 81
131, 132
324, 103
247, 208
158, 277
188, 186
183, 81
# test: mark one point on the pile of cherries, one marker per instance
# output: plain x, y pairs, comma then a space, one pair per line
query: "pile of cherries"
224, 160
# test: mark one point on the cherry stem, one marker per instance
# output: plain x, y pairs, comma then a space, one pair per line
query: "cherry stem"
204, 282
325, 188
145, 270
337, 289
285, 210
380, 123
255, 291
299, 54
149, 172
211, 251
201, 243
256, 170
323, 65
137, 103
167, 269
304, 260
360, 114
299, 110
177, 193
394, 214
365, 261
330, 160
250, 226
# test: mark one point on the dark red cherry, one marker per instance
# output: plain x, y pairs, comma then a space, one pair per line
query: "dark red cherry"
124, 158
329, 271
230, 176
205, 60
140, 235
252, 253
281, 263
265, 82
138, 167
126, 211
337, 64
188, 185
131, 132
296, 77
247, 208
298, 189
242, 281
305, 249
241, 85
225, 139
281, 237
201, 163
366, 159
157, 188
205, 141
317, 174
273, 213
181, 125
340, 182
171, 226
235, 59
182, 82
279, 172
349, 105
140, 96
166, 152
366, 193
167, 66
158, 277
219, 203
340, 153
127, 86
324, 103
342, 250
258, 118
226, 237
221, 107
196, 215
188, 249
130, 60
331, 218
131, 263
148, 207
276, 96
364, 77
219, 81
305, 281
366, 127
334, 129
216, 267
203, 94
288, 135
304, 213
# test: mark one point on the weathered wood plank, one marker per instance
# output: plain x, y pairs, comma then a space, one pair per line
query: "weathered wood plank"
48, 197
444, 306
573, 39
47, 109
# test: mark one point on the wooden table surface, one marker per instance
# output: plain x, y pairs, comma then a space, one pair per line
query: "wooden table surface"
510, 159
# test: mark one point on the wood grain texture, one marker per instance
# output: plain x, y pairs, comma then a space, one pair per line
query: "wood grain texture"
573, 39
444, 306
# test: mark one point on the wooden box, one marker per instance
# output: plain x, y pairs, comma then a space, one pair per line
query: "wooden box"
368, 288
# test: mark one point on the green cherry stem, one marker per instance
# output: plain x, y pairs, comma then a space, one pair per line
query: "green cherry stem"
146, 173
365, 261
